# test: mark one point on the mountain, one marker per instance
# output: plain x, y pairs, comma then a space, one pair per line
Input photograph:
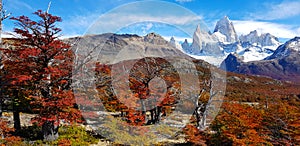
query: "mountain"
204, 43
215, 46
185, 45
257, 47
263, 40
283, 64
290, 48
225, 27
113, 48
175, 44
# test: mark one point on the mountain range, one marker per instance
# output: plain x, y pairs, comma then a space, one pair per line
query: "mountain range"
253, 54
283, 64
224, 40
113, 48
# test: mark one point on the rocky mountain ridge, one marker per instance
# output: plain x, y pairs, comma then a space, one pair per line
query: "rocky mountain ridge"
113, 48
283, 64
224, 40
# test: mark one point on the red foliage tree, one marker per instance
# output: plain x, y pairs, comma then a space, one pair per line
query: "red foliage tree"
194, 135
240, 125
153, 87
155, 83
42, 63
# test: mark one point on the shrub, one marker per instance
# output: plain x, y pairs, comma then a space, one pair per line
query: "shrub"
6, 132
71, 135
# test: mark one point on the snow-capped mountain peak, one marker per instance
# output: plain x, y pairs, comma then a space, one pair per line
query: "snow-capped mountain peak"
295, 44
286, 49
265, 39
225, 27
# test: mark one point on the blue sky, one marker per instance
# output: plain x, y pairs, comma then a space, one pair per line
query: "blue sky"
168, 18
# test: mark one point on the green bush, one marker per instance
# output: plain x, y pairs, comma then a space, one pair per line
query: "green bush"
71, 135
77, 135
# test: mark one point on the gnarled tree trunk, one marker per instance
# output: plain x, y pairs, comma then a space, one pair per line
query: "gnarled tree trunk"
17, 123
1, 107
50, 131
16, 112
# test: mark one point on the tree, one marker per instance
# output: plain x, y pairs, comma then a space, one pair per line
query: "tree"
153, 87
3, 16
238, 124
40, 67
194, 135
155, 83
281, 123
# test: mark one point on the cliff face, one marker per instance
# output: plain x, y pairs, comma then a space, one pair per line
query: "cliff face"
225, 27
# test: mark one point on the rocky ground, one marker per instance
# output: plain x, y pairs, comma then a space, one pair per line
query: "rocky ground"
173, 122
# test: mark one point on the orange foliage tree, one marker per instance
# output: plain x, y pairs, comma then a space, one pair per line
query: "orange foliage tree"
144, 77
239, 124
155, 83
42, 64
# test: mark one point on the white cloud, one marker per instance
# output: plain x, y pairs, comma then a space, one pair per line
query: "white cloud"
284, 10
115, 21
125, 15
278, 30
298, 30
183, 1
147, 28
77, 24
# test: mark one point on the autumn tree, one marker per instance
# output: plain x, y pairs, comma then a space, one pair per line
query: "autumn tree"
153, 87
238, 124
41, 64
281, 123
155, 82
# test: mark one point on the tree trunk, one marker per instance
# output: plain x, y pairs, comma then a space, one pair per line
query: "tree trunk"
200, 113
152, 116
50, 131
16, 112
49, 128
143, 108
17, 123
158, 110
1, 108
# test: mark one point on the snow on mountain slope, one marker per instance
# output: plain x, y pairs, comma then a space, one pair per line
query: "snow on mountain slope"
220, 37
290, 47
210, 59
262, 40
253, 54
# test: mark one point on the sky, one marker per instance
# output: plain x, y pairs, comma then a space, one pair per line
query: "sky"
168, 18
